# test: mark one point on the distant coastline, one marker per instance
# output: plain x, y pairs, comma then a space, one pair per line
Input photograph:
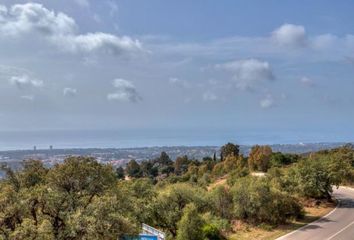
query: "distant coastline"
141, 138
119, 156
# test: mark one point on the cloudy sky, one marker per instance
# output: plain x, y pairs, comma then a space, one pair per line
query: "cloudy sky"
266, 66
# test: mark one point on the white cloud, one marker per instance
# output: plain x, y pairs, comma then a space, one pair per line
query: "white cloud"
3, 12
113, 7
304, 48
323, 41
248, 73
290, 35
9, 71
83, 3
267, 101
29, 17
124, 91
178, 82
61, 30
349, 41
307, 82
97, 18
209, 96
69, 92
103, 42
28, 97
24, 82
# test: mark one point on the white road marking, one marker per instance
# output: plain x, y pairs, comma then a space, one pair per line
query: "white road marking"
290, 233
331, 237
343, 229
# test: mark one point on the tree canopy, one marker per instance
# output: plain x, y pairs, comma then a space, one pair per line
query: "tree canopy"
81, 198
229, 149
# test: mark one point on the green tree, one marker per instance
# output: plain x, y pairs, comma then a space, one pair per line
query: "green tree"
256, 201
229, 149
279, 159
207, 159
164, 159
214, 157
234, 162
56, 203
164, 164
170, 202
259, 158
12, 210
12, 179
340, 164
181, 165
133, 169
27, 230
141, 195
81, 176
221, 200
33, 173
311, 178
104, 218
120, 173
190, 227
148, 169
212, 232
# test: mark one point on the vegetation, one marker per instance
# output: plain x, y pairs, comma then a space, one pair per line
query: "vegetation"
190, 227
83, 199
229, 149
259, 158
255, 200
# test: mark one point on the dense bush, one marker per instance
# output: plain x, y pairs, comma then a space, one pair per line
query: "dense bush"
190, 227
279, 159
74, 200
256, 201
167, 208
221, 201
212, 232
228, 150
315, 176
312, 179
259, 159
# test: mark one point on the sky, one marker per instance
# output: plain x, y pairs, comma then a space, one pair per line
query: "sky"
250, 68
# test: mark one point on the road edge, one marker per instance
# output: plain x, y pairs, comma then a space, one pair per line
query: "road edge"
299, 229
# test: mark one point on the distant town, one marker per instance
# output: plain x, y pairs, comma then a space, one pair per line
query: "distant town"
121, 156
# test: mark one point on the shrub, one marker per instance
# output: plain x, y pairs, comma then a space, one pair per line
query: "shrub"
255, 201
221, 201
212, 232
170, 202
190, 225
220, 223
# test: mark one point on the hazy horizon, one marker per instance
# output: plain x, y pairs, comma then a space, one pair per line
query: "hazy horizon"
195, 72
62, 139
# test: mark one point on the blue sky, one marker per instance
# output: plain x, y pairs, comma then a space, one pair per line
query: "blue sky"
205, 19
271, 67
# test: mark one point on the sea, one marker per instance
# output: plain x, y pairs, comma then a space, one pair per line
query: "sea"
132, 138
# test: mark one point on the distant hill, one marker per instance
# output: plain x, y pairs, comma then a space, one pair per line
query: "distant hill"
109, 154
298, 148
120, 156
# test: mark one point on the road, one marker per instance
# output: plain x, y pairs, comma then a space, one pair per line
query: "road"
337, 225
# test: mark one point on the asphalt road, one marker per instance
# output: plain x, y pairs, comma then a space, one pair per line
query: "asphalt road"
337, 225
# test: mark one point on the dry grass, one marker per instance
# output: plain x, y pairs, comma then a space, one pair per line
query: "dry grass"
218, 182
249, 232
